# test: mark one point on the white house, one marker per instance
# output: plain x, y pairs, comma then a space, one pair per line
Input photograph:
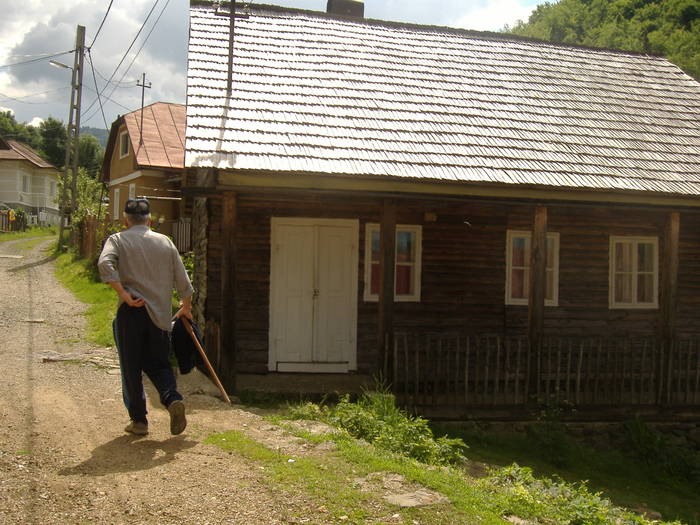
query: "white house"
28, 182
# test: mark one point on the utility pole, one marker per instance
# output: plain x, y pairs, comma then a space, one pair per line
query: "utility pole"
143, 87
73, 137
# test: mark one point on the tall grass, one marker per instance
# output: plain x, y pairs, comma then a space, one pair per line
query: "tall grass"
80, 277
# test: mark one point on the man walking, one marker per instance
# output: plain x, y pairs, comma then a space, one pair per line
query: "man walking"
142, 266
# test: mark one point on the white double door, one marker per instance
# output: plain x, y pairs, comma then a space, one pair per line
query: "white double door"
313, 295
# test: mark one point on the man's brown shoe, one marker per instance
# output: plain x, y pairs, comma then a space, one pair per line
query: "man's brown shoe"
136, 427
178, 422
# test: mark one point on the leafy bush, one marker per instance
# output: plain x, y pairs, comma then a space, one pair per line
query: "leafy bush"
553, 500
654, 449
375, 418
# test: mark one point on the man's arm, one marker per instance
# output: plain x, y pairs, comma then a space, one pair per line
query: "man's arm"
185, 308
126, 296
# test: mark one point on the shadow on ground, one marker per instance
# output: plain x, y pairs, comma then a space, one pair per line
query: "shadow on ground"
128, 454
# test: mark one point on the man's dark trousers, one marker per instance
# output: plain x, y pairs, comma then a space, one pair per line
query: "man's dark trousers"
143, 347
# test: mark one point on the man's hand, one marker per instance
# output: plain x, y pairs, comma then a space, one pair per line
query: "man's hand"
185, 308
134, 302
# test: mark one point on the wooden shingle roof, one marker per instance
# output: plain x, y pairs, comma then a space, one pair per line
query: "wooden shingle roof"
315, 94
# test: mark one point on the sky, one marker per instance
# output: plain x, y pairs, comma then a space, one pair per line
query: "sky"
30, 30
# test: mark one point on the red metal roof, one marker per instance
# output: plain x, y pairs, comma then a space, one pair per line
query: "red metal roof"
13, 150
163, 135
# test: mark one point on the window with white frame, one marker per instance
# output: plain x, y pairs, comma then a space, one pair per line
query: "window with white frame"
132, 191
25, 183
408, 263
518, 268
115, 204
634, 272
123, 144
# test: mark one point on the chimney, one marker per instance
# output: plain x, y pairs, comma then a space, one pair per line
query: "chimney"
354, 8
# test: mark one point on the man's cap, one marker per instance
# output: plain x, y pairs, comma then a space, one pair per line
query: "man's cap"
137, 207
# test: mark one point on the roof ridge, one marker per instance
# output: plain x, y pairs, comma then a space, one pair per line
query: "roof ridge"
486, 35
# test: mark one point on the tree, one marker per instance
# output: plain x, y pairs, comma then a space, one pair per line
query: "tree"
11, 129
670, 28
90, 154
53, 141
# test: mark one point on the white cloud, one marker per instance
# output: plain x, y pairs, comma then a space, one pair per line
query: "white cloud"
36, 122
492, 15
5, 110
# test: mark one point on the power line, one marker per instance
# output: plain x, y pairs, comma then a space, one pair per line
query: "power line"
139, 50
19, 99
96, 88
106, 97
36, 59
128, 83
101, 23
125, 54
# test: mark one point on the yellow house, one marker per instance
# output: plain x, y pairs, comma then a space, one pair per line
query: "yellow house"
145, 158
28, 182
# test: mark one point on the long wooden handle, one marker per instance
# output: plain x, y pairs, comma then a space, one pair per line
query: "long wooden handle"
188, 327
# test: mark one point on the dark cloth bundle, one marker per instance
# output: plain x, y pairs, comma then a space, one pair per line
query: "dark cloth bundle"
184, 347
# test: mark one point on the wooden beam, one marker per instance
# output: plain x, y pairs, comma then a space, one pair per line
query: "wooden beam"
538, 281
227, 343
669, 295
387, 261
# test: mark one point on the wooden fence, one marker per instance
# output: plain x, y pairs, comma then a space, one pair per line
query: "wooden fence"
489, 370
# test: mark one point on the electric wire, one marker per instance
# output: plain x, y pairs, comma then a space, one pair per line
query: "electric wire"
101, 24
99, 99
145, 40
19, 99
36, 59
126, 53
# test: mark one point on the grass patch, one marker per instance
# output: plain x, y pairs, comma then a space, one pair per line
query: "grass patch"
506, 491
29, 244
323, 480
80, 277
619, 472
29, 233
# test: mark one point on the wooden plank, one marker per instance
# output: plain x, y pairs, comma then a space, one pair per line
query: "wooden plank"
669, 289
387, 261
228, 294
538, 267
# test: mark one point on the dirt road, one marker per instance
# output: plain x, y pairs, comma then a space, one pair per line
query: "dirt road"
64, 458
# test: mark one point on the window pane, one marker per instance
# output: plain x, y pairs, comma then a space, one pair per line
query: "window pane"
521, 250
375, 245
519, 284
374, 279
645, 288
550, 253
549, 286
623, 288
405, 245
404, 282
623, 257
645, 257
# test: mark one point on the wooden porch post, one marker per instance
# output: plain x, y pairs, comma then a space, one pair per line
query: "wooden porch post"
387, 260
669, 299
538, 280
227, 343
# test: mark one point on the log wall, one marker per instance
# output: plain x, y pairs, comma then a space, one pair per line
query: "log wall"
463, 269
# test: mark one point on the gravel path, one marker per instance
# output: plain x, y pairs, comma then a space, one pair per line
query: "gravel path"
64, 458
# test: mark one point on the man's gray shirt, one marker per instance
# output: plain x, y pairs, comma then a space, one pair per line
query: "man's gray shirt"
148, 266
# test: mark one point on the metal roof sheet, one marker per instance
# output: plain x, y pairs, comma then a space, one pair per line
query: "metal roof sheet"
318, 94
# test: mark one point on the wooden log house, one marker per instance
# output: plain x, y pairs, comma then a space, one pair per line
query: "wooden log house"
483, 220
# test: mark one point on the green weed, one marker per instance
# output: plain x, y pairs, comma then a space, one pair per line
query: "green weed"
375, 418
80, 277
